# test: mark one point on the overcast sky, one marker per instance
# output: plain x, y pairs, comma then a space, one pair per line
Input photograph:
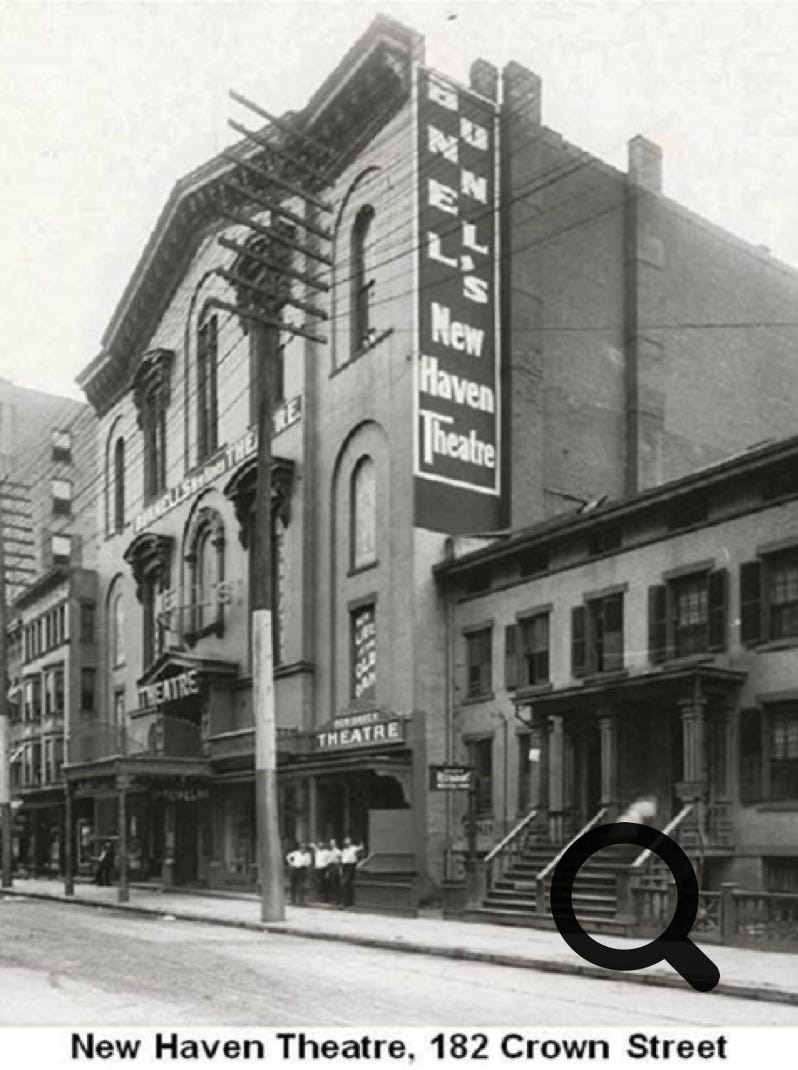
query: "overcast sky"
105, 104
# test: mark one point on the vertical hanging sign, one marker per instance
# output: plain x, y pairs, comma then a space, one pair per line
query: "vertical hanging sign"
456, 389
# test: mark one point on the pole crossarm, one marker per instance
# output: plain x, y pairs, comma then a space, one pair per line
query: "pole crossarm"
278, 209
238, 280
282, 124
279, 151
275, 179
259, 317
274, 235
252, 254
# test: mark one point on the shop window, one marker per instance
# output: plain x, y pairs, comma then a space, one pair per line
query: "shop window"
87, 618
363, 263
688, 615
119, 485
479, 658
363, 499
527, 652
597, 635
480, 758
87, 689
363, 624
207, 388
769, 597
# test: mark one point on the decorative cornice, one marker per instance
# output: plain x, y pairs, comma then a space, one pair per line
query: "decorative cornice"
149, 554
241, 491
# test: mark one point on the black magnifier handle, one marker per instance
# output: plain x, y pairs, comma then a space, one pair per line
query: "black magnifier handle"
689, 960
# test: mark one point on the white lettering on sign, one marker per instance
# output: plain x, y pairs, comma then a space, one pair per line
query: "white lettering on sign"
171, 689
457, 403
381, 732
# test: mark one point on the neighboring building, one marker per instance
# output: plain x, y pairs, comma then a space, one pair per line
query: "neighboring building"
460, 391
646, 648
52, 634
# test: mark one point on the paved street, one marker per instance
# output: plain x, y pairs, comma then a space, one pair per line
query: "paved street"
64, 965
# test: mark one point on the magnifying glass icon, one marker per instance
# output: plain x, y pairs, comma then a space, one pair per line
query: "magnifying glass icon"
673, 945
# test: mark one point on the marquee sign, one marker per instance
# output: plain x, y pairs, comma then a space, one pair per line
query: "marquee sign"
456, 393
368, 729
171, 689
285, 415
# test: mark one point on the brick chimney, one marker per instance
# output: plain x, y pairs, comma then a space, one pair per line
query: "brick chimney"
645, 164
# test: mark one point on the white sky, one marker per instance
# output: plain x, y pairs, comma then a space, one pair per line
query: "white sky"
105, 104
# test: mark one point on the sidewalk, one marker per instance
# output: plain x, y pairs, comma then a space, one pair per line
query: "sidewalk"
763, 975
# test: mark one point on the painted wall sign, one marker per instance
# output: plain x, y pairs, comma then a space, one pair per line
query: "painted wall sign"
364, 653
449, 778
171, 689
367, 729
285, 415
457, 408
176, 601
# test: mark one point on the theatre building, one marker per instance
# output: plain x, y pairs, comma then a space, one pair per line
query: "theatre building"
443, 391
642, 649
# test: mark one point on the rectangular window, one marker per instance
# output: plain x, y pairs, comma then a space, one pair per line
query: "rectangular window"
597, 636
769, 597
87, 680
61, 546
480, 758
62, 446
62, 497
688, 615
119, 707
363, 624
87, 615
768, 754
534, 642
479, 655
153, 428
207, 406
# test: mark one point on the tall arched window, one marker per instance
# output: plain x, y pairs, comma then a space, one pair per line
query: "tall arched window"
363, 508
363, 283
119, 485
205, 560
207, 403
117, 630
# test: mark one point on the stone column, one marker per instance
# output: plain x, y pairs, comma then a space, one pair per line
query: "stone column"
556, 771
123, 892
608, 733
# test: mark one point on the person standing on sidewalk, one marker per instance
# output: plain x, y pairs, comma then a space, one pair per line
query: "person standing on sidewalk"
334, 872
320, 869
298, 862
349, 855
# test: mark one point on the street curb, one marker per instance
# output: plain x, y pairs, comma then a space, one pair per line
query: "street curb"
734, 991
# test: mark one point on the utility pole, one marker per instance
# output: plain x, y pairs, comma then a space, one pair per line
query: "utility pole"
270, 855
277, 162
5, 754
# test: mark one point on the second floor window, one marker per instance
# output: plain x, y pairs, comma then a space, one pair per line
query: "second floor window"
597, 635
527, 652
364, 513
207, 401
688, 615
363, 282
769, 597
479, 655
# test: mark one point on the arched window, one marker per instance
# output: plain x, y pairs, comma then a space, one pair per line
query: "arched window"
119, 485
205, 560
117, 631
363, 284
207, 403
363, 513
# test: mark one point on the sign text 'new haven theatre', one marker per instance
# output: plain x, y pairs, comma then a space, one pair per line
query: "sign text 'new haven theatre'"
457, 381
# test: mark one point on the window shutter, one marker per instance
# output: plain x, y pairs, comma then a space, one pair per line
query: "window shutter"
578, 641
750, 751
750, 601
718, 596
511, 657
657, 623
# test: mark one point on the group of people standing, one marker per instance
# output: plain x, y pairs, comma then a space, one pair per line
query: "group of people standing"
332, 869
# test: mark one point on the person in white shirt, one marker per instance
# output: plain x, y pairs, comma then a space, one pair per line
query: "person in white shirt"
299, 861
348, 864
320, 858
333, 872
